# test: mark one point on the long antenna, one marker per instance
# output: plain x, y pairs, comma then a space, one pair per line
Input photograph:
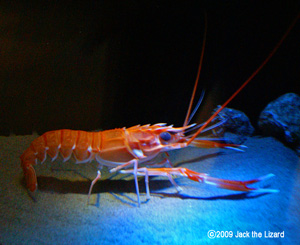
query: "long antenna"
198, 74
246, 82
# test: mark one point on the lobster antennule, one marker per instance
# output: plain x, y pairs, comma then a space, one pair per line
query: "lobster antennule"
197, 106
205, 143
181, 129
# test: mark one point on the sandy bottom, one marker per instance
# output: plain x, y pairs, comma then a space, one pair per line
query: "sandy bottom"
60, 214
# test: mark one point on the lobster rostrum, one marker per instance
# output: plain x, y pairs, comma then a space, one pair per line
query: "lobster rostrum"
134, 150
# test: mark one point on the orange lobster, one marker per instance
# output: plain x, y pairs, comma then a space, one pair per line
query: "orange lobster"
130, 147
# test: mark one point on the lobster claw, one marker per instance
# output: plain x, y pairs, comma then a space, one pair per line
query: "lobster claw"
233, 185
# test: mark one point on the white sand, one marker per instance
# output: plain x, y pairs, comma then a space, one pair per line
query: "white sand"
61, 215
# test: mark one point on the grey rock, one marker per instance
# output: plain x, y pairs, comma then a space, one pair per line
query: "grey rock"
281, 119
236, 126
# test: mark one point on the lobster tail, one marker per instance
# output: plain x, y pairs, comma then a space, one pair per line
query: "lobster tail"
66, 142
28, 159
36, 150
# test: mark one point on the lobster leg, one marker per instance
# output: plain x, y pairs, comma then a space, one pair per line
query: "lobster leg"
135, 168
145, 172
92, 185
134, 171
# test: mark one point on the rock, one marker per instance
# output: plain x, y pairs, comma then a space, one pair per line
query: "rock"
281, 119
236, 127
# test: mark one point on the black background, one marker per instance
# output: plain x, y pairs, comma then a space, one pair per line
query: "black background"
103, 64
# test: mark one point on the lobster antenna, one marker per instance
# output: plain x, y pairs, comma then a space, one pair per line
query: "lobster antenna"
186, 121
247, 81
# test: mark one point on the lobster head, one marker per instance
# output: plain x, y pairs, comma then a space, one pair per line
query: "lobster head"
149, 140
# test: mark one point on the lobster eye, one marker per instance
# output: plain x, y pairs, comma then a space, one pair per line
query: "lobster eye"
165, 136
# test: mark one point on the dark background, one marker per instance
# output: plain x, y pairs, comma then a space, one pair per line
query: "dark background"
103, 64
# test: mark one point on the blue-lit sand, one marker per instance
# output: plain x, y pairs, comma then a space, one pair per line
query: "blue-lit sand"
61, 215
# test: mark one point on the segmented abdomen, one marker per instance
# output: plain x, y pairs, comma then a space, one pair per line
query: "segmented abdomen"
82, 144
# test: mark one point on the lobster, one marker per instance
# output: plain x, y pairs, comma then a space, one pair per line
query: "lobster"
123, 148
